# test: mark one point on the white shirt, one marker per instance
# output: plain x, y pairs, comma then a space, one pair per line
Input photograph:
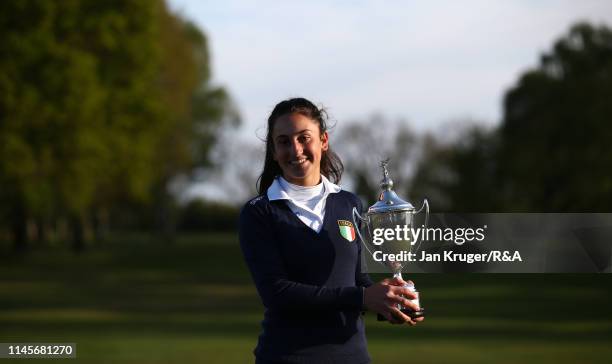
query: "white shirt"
306, 202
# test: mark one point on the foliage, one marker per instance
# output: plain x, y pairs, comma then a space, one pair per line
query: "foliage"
362, 145
460, 175
556, 131
200, 215
551, 152
101, 103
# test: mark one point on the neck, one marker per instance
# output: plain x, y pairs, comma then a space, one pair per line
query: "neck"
305, 182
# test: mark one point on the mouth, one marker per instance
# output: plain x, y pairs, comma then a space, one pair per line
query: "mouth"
298, 162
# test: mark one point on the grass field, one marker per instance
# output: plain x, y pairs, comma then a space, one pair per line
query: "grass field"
137, 300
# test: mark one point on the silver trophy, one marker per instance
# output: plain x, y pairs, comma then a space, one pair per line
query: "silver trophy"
389, 212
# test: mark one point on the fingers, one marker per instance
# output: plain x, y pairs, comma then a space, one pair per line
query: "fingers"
399, 317
395, 295
398, 282
388, 297
395, 318
404, 302
401, 291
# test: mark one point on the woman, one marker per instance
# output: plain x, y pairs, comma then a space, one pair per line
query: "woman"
300, 247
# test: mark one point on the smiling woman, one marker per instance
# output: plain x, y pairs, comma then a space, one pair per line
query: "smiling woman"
298, 146
297, 133
299, 244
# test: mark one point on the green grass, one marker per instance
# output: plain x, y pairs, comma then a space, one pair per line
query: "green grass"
137, 300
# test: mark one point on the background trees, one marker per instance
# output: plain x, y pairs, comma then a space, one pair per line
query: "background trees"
102, 103
363, 144
555, 137
552, 150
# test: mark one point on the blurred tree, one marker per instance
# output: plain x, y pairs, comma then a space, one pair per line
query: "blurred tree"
206, 216
556, 132
364, 144
459, 175
101, 103
50, 102
238, 164
194, 113
551, 152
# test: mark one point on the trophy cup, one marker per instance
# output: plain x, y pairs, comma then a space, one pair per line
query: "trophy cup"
389, 212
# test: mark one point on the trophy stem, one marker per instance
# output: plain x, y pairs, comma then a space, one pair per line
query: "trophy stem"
398, 275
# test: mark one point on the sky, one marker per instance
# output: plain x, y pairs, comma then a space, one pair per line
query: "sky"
427, 62
433, 64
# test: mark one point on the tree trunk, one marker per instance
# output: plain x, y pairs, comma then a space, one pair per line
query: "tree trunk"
78, 234
164, 214
41, 232
99, 225
19, 227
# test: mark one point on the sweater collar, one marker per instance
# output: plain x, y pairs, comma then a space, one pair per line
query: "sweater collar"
276, 191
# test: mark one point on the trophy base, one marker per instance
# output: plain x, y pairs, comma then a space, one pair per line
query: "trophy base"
406, 311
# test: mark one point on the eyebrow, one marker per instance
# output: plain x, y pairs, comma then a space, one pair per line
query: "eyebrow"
296, 133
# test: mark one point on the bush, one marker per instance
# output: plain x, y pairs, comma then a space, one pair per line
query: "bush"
201, 215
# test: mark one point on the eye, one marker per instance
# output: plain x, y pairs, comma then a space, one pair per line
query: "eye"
304, 138
283, 141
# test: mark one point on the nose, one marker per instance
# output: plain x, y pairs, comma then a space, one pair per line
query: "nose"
296, 148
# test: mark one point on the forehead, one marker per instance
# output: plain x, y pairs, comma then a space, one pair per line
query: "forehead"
290, 124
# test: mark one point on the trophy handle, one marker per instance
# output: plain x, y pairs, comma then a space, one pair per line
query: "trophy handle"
426, 206
357, 229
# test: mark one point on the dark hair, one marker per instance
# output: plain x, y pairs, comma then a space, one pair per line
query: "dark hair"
331, 165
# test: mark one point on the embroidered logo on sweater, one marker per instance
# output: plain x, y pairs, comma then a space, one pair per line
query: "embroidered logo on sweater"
346, 230
254, 201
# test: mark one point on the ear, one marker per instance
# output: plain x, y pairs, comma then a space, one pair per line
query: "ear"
325, 141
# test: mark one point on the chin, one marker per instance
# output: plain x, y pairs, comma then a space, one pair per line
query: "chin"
297, 177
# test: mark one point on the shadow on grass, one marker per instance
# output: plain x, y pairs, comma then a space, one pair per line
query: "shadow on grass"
227, 327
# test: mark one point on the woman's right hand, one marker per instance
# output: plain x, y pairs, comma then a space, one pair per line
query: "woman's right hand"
383, 298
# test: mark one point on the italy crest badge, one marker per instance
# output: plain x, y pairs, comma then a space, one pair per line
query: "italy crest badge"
346, 229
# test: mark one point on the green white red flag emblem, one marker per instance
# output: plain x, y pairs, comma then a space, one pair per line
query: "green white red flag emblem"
346, 229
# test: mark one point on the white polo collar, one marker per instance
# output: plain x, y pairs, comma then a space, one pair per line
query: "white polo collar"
276, 191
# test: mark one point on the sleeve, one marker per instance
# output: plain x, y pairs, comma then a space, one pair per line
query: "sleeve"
265, 262
362, 279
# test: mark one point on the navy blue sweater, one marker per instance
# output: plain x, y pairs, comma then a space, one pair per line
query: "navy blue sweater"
310, 283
